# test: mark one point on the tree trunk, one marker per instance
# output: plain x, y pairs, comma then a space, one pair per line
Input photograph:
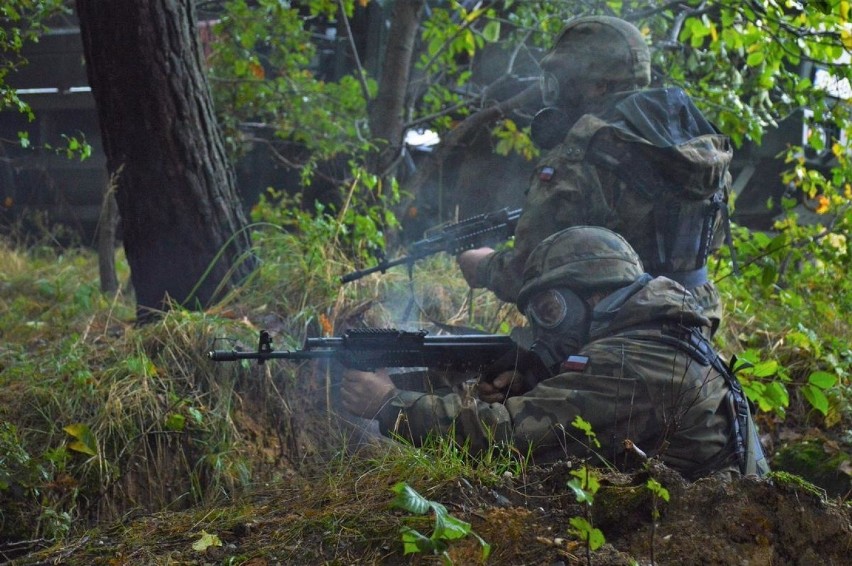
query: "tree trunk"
107, 225
176, 193
386, 111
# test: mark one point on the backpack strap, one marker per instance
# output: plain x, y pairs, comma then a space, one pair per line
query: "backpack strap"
691, 341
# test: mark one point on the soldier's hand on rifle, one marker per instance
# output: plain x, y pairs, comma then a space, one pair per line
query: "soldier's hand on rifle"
469, 263
503, 386
364, 393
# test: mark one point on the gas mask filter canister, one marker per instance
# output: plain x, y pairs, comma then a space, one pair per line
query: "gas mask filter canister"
560, 322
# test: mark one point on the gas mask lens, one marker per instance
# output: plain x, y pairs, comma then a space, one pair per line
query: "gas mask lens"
547, 309
549, 89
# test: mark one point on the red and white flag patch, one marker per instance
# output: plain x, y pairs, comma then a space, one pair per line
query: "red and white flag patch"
575, 363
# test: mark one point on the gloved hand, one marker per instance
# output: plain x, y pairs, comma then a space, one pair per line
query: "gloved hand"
364, 393
503, 386
469, 263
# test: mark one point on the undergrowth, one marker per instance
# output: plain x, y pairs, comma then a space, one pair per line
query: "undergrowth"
100, 418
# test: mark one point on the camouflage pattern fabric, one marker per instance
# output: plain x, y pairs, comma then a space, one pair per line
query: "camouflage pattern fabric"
601, 48
611, 173
633, 387
582, 258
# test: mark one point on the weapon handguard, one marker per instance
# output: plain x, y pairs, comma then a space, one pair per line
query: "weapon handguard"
473, 232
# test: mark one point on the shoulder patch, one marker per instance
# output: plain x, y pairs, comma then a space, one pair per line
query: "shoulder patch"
546, 174
574, 363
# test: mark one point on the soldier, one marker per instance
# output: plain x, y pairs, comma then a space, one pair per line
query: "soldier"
619, 348
642, 162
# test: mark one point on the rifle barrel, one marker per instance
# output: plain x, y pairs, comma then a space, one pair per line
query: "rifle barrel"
366, 352
383, 266
454, 238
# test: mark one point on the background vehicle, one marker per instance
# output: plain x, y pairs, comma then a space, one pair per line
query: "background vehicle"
39, 180
757, 168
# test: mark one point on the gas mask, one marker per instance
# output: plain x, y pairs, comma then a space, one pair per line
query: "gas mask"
550, 126
560, 322
563, 107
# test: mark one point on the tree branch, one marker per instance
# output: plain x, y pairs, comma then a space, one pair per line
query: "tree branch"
361, 80
457, 135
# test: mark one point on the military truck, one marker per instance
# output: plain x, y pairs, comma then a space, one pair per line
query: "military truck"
757, 168
42, 180
42, 185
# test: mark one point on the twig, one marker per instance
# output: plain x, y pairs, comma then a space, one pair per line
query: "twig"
364, 90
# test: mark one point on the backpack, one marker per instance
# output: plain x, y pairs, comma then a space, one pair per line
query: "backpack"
660, 146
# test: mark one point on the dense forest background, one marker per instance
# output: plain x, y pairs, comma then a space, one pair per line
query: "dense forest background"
256, 152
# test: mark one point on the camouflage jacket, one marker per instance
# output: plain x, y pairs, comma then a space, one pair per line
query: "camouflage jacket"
626, 382
630, 167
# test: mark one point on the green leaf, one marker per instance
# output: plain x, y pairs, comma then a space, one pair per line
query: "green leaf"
816, 398
585, 532
765, 369
823, 6
409, 500
448, 527
822, 379
769, 275
584, 425
86, 442
776, 392
414, 542
741, 363
175, 422
755, 58
491, 31
486, 548
580, 494
196, 415
657, 489
206, 541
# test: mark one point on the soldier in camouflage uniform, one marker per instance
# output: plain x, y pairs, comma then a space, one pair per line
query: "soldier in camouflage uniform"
643, 162
619, 348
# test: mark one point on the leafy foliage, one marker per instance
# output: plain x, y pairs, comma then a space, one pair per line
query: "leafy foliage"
21, 21
795, 279
446, 529
357, 230
91, 398
24, 486
263, 67
585, 485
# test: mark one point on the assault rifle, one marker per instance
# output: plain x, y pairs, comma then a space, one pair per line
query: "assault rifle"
371, 348
473, 232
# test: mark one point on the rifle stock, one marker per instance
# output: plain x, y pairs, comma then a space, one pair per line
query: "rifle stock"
473, 232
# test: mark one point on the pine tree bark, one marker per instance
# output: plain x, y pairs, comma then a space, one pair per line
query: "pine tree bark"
176, 194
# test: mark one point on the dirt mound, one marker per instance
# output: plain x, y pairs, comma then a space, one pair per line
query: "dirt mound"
525, 520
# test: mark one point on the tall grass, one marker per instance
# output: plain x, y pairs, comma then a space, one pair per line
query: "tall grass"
100, 417
113, 418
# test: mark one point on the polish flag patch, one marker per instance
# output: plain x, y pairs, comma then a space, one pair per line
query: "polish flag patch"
545, 174
575, 363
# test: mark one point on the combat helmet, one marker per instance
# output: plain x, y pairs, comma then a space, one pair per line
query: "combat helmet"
601, 48
584, 259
